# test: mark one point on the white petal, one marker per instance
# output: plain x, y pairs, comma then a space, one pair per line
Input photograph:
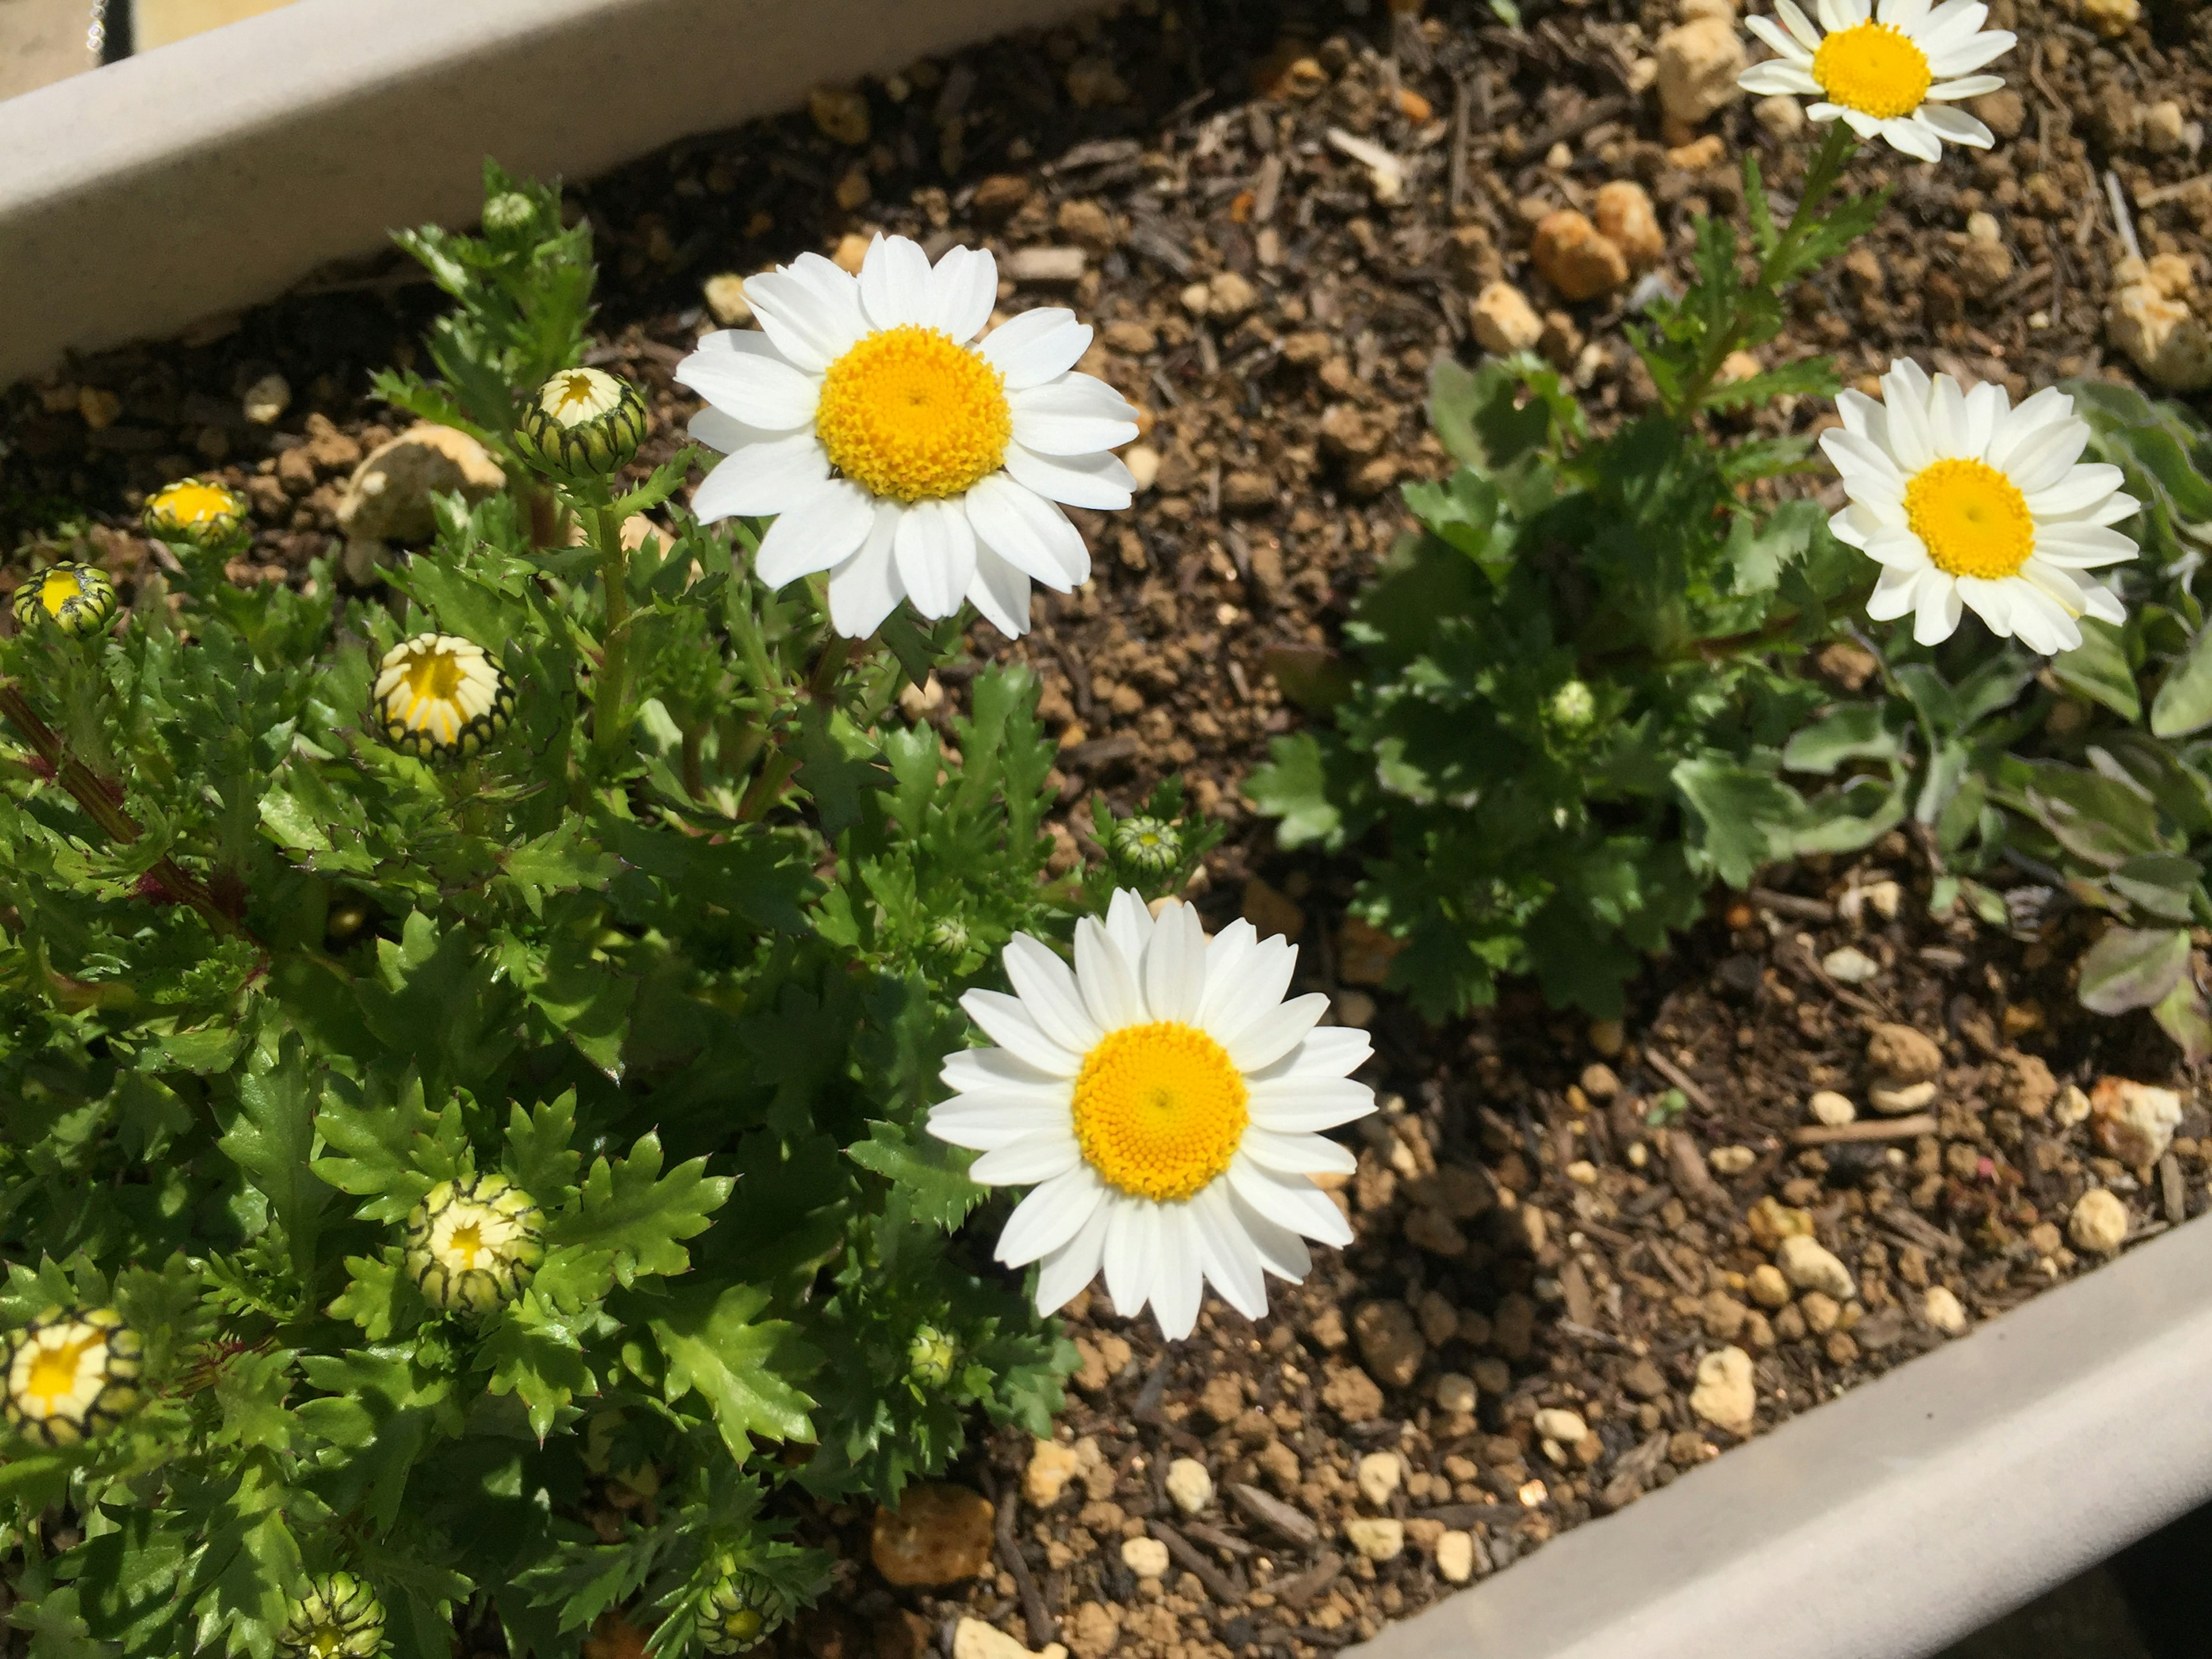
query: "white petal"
1295, 1154
1955, 126
761, 478
1053, 1213
1074, 414
808, 326
1001, 592
726, 432
1863, 417
760, 391
1936, 609
1075, 1264
1895, 593
1280, 1250
1969, 85
981, 1125
1234, 1004
1036, 346
1329, 1051
999, 1075
1226, 954
1028, 532
1947, 416
1226, 1250
1108, 978
815, 533
1100, 481
1770, 30
1296, 1203
1954, 20
1906, 392
895, 284
1969, 54
2100, 602
2081, 488
1129, 924
1174, 965
1800, 26
866, 588
1308, 1105
936, 554
2081, 546
962, 289
1178, 1276
1986, 405
1834, 17
1900, 550
1908, 137
1132, 1237
1006, 1023
2042, 460
1904, 15
1861, 464
1038, 1157
1778, 75
1867, 127
1276, 1034
1047, 987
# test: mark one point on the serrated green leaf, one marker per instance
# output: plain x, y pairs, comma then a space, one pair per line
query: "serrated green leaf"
638, 1217
272, 1141
713, 1345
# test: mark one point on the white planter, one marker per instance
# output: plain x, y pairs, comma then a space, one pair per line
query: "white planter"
145, 196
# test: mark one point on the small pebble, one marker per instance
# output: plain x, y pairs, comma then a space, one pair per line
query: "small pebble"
1850, 965
1942, 1311
1832, 1108
1895, 1100
1732, 1160
1556, 1423
1376, 1537
1811, 1266
1455, 1392
266, 399
1456, 1557
1378, 1476
1145, 1557
1726, 1395
1190, 1486
1768, 1287
2099, 1222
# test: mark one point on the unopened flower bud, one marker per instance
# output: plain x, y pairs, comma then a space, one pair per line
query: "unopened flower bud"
930, 1356
509, 214
582, 424
737, 1613
1573, 707
948, 938
1149, 844
77, 598
473, 1245
196, 512
338, 1618
71, 1374
440, 697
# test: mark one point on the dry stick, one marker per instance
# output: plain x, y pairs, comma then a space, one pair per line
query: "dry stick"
1889, 1128
1043, 1626
2166, 193
1681, 1079
104, 809
1790, 904
1216, 1583
2121, 215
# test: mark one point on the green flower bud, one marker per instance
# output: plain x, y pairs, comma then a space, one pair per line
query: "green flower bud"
1148, 844
196, 512
338, 1618
509, 214
930, 1356
473, 1245
439, 697
738, 1612
77, 598
948, 938
1573, 707
583, 424
71, 1373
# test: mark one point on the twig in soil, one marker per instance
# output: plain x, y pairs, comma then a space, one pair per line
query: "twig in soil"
1043, 1626
1682, 1080
1295, 1591
1790, 904
1868, 1128
1691, 1177
1218, 1586
2165, 193
1463, 1515
1291, 1525
1673, 1269
1267, 191
2121, 216
1591, 1334
1462, 111
1227, 1543
1592, 113
1802, 963
1147, 1408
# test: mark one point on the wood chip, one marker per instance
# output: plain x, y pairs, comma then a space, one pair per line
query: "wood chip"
1865, 1128
1217, 1584
1295, 1591
1292, 1526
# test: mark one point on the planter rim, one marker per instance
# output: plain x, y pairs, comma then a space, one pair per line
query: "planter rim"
1910, 1512
158, 192
1882, 1525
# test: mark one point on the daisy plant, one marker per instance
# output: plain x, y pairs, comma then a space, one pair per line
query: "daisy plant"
467, 1047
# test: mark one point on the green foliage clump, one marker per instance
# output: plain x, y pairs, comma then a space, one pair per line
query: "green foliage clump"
1589, 688
481, 1147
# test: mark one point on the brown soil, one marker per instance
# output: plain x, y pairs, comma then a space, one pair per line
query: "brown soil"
1536, 1213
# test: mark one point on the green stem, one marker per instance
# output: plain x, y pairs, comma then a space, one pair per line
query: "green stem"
610, 704
1836, 150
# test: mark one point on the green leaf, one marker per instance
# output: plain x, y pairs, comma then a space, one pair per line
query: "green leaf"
559, 861
1295, 787
2184, 703
2132, 967
713, 1345
932, 1176
2183, 1015
390, 1154
539, 1157
379, 1297
1853, 731
536, 1352
272, 1139
636, 1216
2097, 669
1742, 817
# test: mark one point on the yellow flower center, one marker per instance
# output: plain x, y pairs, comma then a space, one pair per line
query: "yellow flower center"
327, 1639
1874, 68
436, 675
53, 1373
191, 503
1160, 1110
467, 1242
910, 414
741, 1625
579, 395
57, 588
1972, 519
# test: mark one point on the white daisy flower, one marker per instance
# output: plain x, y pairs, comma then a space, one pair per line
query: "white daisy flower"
1167, 1102
1891, 75
1967, 501
905, 461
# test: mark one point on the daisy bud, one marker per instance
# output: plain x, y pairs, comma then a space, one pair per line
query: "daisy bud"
439, 697
930, 1356
1572, 707
509, 214
473, 1245
1152, 845
736, 1614
194, 512
77, 598
71, 1374
338, 1618
948, 938
583, 424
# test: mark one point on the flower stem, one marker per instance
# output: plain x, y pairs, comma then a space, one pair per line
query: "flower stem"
610, 702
